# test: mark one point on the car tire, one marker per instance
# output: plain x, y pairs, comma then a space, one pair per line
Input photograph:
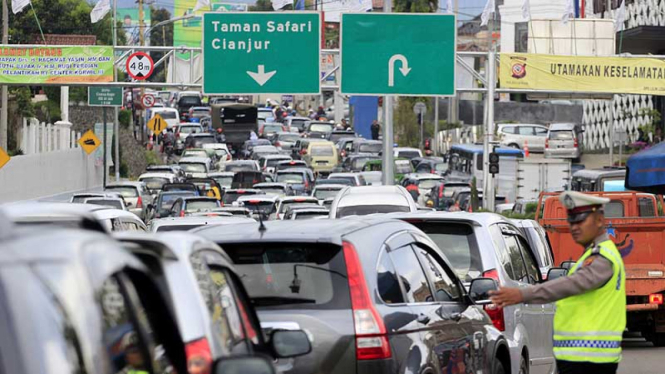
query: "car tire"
524, 368
498, 367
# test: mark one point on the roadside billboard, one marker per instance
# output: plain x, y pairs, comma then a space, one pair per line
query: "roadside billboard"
55, 65
618, 75
130, 23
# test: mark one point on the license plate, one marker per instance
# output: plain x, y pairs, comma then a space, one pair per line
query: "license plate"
561, 146
321, 162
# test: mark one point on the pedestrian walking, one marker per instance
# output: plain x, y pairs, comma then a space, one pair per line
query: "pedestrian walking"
375, 128
590, 313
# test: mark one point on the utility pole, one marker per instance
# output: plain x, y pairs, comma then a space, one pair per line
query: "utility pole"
141, 43
488, 181
453, 101
387, 157
3, 111
435, 140
116, 125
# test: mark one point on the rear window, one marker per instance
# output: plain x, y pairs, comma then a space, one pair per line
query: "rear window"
428, 183
154, 183
264, 206
323, 194
292, 275
363, 210
204, 140
239, 167
370, 148
193, 168
297, 178
273, 128
190, 153
190, 100
168, 200
310, 215
190, 129
322, 151
298, 123
273, 190
458, 243
224, 181
359, 163
274, 161
561, 135
168, 115
124, 191
231, 197
321, 127
285, 206
408, 154
201, 206
109, 203
288, 137
402, 167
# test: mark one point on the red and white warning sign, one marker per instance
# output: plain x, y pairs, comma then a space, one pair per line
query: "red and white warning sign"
147, 100
139, 65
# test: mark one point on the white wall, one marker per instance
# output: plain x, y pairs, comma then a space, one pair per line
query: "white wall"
45, 174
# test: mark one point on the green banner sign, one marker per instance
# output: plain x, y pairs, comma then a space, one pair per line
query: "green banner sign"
55, 64
104, 96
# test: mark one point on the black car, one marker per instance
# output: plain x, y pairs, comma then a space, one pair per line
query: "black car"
230, 196
435, 165
247, 179
377, 296
241, 165
248, 146
337, 135
198, 140
355, 162
442, 194
163, 203
186, 102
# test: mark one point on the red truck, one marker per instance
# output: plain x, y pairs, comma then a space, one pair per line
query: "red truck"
637, 227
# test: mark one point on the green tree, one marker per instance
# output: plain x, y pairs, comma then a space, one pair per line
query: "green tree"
160, 36
59, 17
261, 6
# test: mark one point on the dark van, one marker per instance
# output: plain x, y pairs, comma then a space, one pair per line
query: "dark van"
237, 121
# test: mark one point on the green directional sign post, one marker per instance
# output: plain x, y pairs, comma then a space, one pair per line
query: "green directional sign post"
256, 53
104, 96
398, 54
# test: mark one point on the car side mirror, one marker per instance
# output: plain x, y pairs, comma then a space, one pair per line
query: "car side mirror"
567, 265
130, 204
480, 288
290, 343
243, 365
555, 273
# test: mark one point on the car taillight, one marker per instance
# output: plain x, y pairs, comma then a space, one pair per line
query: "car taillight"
303, 151
306, 184
494, 312
441, 191
228, 157
199, 357
371, 338
182, 213
656, 298
547, 143
139, 202
575, 144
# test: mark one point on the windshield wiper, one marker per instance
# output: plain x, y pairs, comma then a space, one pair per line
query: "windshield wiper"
280, 300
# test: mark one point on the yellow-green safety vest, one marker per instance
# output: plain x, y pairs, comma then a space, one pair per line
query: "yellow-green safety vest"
589, 327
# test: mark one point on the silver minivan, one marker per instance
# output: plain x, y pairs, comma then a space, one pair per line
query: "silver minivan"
488, 245
519, 135
564, 140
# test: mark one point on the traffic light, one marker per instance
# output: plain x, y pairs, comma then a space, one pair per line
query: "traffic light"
494, 163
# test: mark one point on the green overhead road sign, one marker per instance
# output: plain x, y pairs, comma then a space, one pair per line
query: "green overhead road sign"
254, 53
104, 96
398, 54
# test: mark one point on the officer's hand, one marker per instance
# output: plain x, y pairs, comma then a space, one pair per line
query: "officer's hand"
506, 296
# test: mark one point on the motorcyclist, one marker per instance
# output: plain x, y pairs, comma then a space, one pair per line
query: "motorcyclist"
168, 140
220, 137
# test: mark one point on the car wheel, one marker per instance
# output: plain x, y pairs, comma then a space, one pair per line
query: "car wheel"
498, 367
524, 369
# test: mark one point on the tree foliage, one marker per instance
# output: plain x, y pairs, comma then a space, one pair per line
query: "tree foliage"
66, 17
261, 6
160, 36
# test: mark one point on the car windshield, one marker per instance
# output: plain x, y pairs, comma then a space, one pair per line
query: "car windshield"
239, 167
561, 135
124, 191
292, 275
370, 148
117, 204
322, 151
458, 243
362, 210
190, 129
194, 153
193, 167
168, 114
321, 127
427, 184
168, 199
224, 181
291, 178
201, 206
325, 193
154, 183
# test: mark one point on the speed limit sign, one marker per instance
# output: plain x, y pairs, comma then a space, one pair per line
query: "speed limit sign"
147, 100
139, 65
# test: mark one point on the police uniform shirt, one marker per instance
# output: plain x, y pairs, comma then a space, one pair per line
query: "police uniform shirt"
593, 274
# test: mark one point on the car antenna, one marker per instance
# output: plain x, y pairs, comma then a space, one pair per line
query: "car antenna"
262, 227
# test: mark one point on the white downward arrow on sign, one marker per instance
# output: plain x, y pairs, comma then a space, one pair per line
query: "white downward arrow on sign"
405, 69
261, 77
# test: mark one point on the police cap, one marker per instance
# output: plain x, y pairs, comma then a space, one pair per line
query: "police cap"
580, 205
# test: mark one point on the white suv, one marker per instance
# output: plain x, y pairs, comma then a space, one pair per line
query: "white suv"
516, 135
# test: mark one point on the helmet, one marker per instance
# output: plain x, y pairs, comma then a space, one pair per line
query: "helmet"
219, 130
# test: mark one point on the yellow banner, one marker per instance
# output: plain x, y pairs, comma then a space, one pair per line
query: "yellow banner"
618, 75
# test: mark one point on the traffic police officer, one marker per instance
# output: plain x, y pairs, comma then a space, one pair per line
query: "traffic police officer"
591, 301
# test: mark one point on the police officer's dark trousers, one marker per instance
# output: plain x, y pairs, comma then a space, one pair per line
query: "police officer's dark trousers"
568, 367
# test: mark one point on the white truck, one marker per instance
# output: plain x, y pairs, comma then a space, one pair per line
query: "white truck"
537, 175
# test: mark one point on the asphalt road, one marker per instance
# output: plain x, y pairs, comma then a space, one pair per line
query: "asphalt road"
640, 356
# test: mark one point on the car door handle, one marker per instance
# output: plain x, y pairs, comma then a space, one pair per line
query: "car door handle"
456, 317
423, 319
